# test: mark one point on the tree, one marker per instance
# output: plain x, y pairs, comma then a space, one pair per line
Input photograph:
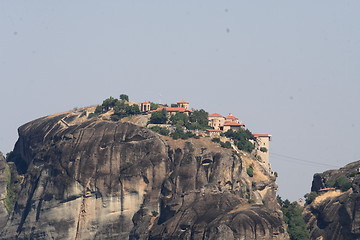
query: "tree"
179, 119
132, 110
293, 217
241, 138
124, 97
109, 103
154, 106
200, 119
159, 117
310, 197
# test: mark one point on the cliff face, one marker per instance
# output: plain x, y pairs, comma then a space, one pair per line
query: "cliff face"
335, 215
95, 179
3, 183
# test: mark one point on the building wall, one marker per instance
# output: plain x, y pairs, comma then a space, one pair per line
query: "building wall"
263, 142
216, 122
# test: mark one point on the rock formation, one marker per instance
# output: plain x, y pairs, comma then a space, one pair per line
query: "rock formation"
97, 179
335, 215
3, 184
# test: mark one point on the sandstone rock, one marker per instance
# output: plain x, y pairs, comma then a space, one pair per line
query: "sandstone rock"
96, 179
336, 217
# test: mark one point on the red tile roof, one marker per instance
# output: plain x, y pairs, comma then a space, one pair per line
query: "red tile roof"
326, 189
233, 124
215, 115
231, 117
261, 135
182, 101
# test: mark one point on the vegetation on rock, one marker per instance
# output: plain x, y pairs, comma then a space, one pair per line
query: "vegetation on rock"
159, 117
161, 130
293, 217
250, 171
241, 139
341, 182
121, 108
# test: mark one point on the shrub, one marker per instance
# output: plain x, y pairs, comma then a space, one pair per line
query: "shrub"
217, 140
115, 118
98, 109
263, 149
250, 171
310, 197
342, 183
226, 144
160, 130
154, 213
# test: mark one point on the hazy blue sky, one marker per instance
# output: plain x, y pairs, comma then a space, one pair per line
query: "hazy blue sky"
287, 68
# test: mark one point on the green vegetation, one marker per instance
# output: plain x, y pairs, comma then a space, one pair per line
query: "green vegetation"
179, 133
293, 218
154, 213
198, 120
263, 149
179, 119
226, 144
10, 196
310, 197
121, 108
12, 186
161, 130
154, 106
342, 183
250, 170
241, 139
159, 117
124, 97
217, 140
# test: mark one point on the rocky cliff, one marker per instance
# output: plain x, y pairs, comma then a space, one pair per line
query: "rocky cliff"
335, 215
96, 179
3, 184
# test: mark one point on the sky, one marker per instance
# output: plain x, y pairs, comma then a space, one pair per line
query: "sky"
287, 68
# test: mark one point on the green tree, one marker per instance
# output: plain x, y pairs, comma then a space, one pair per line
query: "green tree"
159, 117
98, 109
124, 97
132, 110
109, 103
293, 217
342, 183
154, 106
241, 138
179, 119
310, 197
199, 119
